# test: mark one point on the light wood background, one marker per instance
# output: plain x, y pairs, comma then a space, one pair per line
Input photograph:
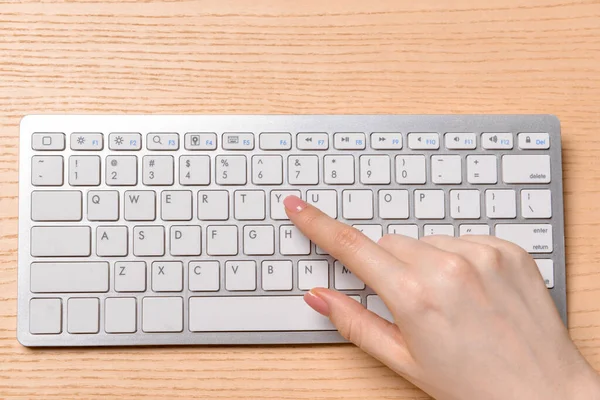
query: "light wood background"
310, 56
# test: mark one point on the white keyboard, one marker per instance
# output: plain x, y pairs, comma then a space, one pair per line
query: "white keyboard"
140, 230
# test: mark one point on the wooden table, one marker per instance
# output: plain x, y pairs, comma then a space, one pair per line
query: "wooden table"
311, 56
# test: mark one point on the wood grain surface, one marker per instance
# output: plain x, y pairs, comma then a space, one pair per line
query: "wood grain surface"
311, 56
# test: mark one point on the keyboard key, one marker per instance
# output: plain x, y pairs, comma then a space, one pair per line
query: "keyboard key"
492, 141
546, 267
130, 276
50, 205
339, 170
157, 170
478, 229
424, 141
526, 168
275, 141
222, 240
87, 141
277, 275
200, 141
406, 230
140, 205
534, 141
277, 207
500, 203
111, 241
45, 316
482, 169
267, 170
259, 240
357, 204
194, 170
393, 204
534, 238
103, 205
313, 273
465, 204
349, 141
148, 241
124, 141
83, 315
162, 141
204, 276
303, 170
345, 280
292, 241
460, 140
121, 170
376, 305
410, 169
249, 205
442, 229
536, 204
375, 170
47, 170
230, 170
185, 240
84, 170
48, 141
176, 205
238, 141
240, 276
167, 276
162, 314
446, 169
213, 205
120, 315
429, 204
324, 200
373, 232
69, 277
312, 141
60, 241
386, 140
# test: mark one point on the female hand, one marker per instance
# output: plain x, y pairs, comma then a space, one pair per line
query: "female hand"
473, 318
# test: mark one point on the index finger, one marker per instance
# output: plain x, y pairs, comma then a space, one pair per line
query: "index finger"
370, 262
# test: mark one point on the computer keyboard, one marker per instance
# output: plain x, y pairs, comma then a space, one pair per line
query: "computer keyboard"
152, 230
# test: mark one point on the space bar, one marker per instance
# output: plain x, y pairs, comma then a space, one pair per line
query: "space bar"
245, 313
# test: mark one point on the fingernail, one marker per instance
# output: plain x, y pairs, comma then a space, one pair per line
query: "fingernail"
294, 204
316, 303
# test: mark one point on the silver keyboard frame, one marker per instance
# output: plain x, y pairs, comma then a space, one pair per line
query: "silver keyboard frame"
264, 123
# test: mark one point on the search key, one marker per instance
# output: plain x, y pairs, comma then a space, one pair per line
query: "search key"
162, 141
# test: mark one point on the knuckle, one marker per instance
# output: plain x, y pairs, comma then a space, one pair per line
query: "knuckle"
419, 297
456, 266
490, 256
351, 330
348, 238
386, 240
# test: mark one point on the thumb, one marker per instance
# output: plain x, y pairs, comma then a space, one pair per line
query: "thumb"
371, 333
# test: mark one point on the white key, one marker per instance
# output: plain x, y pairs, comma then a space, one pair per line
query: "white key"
535, 204
393, 204
69, 277
324, 200
103, 205
339, 170
410, 169
526, 168
424, 141
259, 240
482, 169
386, 140
83, 315
477, 229
213, 205
167, 276
56, 205
546, 267
45, 316
87, 141
534, 238
303, 170
277, 275
240, 275
148, 241
357, 204
238, 141
460, 140
157, 170
249, 205
429, 204
185, 240
312, 141
111, 241
47, 170
222, 240
349, 141
406, 230
446, 169
292, 241
200, 141
48, 141
500, 204
60, 241
277, 207
376, 305
176, 205
204, 276
162, 314
194, 170
124, 141
375, 170
121, 170
120, 315
313, 273
130, 276
267, 170
162, 141
502, 140
255, 314
275, 141
373, 232
465, 204
344, 278
84, 170
140, 205
534, 141
230, 170
442, 229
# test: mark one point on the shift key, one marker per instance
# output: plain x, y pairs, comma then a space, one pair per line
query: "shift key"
534, 238
60, 241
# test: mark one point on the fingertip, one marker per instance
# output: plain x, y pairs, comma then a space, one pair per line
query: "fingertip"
316, 302
294, 204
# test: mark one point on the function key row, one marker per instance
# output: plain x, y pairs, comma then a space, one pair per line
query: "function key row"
281, 141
